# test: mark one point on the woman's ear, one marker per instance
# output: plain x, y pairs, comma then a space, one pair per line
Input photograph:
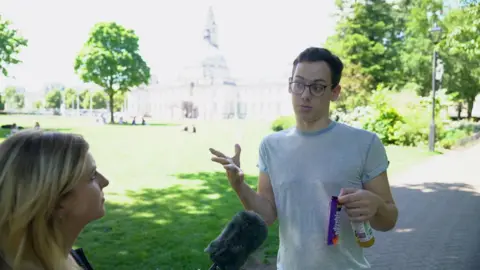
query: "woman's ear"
60, 211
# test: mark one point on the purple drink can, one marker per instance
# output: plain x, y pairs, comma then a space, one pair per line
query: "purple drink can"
333, 222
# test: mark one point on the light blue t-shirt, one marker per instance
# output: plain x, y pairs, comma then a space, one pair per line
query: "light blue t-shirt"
305, 170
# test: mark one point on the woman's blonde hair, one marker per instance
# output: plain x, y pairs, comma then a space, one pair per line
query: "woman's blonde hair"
37, 170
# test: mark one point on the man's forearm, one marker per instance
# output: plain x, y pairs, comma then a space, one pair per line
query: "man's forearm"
251, 200
386, 217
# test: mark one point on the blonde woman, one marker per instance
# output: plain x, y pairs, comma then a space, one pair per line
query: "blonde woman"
49, 190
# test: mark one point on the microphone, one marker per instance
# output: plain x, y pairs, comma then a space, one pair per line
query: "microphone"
245, 233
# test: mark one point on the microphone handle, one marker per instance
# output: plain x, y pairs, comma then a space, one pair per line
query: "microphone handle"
213, 267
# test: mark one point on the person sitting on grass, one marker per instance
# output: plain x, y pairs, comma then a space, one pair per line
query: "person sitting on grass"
14, 129
49, 190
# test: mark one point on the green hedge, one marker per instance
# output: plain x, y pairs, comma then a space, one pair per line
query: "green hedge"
406, 126
283, 122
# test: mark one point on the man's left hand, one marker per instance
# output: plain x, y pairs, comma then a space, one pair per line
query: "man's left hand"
360, 204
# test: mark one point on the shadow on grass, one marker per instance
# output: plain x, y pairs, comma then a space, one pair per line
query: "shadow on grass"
169, 228
164, 228
147, 125
5, 132
164, 124
58, 129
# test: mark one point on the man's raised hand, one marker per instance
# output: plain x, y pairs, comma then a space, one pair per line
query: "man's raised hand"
231, 165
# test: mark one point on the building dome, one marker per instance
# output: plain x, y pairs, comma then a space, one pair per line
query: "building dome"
209, 65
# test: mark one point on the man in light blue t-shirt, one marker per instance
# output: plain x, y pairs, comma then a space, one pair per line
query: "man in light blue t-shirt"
302, 167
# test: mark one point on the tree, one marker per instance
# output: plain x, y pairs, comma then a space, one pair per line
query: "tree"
464, 37
53, 99
71, 98
14, 99
417, 49
10, 92
110, 58
38, 104
10, 45
461, 51
469, 2
354, 88
19, 100
368, 36
99, 100
118, 102
84, 97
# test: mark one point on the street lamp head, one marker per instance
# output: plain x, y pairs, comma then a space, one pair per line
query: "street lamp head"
436, 28
436, 33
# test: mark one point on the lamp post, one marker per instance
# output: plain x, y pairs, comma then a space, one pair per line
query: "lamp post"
90, 94
2, 92
435, 33
62, 105
78, 101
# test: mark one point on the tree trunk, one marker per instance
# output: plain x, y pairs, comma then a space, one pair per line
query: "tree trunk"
110, 102
459, 110
470, 102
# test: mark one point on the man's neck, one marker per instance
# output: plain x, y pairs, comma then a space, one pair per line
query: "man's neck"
316, 125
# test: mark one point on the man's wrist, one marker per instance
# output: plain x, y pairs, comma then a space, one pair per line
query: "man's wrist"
238, 188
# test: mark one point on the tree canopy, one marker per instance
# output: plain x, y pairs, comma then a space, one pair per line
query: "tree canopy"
111, 59
11, 43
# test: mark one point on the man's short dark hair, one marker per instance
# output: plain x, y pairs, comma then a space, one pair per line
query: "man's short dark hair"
314, 54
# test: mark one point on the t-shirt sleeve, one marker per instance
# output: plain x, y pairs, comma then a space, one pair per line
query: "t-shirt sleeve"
376, 161
262, 157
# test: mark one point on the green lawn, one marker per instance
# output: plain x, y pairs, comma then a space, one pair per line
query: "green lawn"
167, 200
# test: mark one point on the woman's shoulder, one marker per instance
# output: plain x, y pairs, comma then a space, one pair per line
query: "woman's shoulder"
81, 259
3, 264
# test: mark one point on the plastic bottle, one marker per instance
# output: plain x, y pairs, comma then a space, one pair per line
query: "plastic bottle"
364, 234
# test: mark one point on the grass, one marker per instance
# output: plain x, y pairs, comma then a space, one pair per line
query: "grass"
167, 200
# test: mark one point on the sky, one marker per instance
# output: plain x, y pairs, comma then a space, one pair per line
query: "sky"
259, 38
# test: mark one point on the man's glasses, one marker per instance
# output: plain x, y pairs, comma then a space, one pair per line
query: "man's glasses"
298, 88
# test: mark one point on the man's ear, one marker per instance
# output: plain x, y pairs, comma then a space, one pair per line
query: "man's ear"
336, 92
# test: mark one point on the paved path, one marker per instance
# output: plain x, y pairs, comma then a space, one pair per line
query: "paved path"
439, 221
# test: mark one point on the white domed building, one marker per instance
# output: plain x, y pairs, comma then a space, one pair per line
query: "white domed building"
206, 90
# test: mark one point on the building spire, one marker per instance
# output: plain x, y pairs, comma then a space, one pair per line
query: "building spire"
210, 34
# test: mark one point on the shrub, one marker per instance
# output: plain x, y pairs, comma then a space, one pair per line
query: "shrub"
400, 118
457, 131
283, 122
386, 122
451, 137
381, 117
403, 118
469, 126
354, 118
416, 128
